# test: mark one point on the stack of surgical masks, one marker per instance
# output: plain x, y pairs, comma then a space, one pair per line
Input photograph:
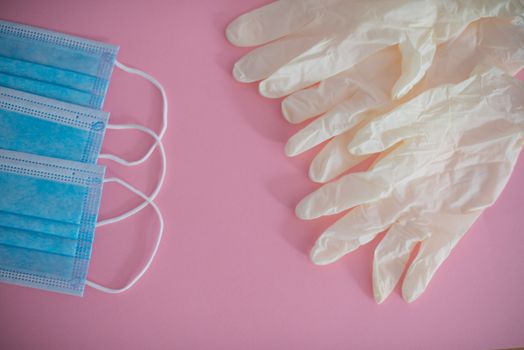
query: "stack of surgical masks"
52, 88
426, 87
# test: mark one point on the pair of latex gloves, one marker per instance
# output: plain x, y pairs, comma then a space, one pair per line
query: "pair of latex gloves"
428, 84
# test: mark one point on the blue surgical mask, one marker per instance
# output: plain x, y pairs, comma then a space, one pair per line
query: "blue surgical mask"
48, 213
53, 87
50, 128
55, 65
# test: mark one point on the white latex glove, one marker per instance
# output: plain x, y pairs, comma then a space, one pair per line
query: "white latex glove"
451, 151
351, 99
307, 41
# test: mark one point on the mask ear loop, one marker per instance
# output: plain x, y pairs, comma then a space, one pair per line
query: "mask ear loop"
155, 249
163, 129
147, 200
158, 186
158, 142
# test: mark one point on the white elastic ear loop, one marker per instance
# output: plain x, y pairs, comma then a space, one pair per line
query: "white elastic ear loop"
158, 186
153, 254
163, 129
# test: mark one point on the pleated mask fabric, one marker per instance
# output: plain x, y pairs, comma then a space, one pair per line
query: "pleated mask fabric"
55, 65
50, 128
48, 213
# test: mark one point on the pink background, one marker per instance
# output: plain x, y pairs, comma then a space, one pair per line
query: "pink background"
233, 269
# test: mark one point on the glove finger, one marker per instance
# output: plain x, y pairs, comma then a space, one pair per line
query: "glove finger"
345, 193
431, 255
343, 117
365, 187
369, 142
356, 228
268, 23
446, 231
311, 102
263, 61
374, 76
390, 258
415, 62
334, 159
327, 58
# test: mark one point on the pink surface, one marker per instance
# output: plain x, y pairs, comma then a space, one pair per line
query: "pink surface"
233, 269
